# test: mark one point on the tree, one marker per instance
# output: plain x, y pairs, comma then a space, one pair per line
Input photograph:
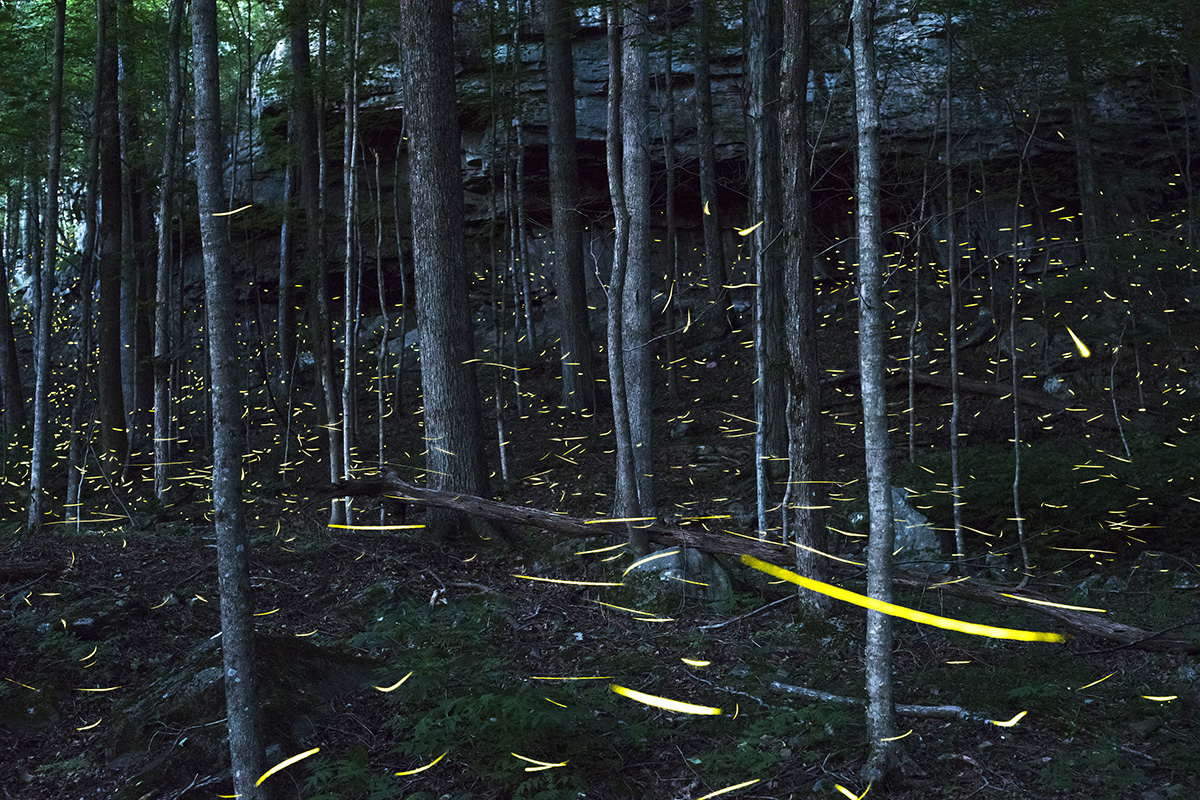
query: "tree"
804, 522
881, 725
625, 503
162, 299
113, 435
575, 347
246, 752
635, 294
714, 248
453, 429
45, 306
769, 356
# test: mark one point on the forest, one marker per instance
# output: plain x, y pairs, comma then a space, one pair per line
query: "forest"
639, 399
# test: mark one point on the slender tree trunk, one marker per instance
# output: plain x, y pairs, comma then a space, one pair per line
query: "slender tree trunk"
714, 248
804, 518
308, 146
960, 549
237, 621
635, 296
113, 434
285, 315
625, 503
163, 284
575, 348
453, 430
11, 391
41, 394
351, 264
1091, 209
881, 725
672, 237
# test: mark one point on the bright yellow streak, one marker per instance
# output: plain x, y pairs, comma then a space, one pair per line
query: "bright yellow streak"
623, 608
109, 689
750, 230
1164, 698
601, 549
376, 527
695, 662
733, 788
1083, 348
1093, 683
395, 685
617, 519
707, 213
89, 727
564, 580
1054, 605
287, 762
828, 555
1009, 723
851, 794
854, 598
554, 702
896, 738
266, 613
89, 655
230, 214
662, 702
575, 678
653, 557
540, 764
422, 769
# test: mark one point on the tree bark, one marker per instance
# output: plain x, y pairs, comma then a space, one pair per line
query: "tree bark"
770, 395
625, 491
113, 435
237, 622
881, 727
804, 501
635, 295
714, 248
163, 284
575, 347
453, 429
12, 394
45, 306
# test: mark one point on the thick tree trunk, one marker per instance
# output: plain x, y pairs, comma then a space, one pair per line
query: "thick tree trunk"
635, 295
625, 493
770, 396
804, 501
45, 307
575, 347
881, 725
453, 430
113, 436
237, 621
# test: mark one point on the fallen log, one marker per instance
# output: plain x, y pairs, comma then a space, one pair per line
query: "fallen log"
732, 544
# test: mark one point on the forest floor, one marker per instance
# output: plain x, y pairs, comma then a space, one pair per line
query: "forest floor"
511, 679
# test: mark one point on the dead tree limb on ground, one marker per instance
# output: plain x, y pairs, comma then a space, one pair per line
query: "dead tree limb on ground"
730, 544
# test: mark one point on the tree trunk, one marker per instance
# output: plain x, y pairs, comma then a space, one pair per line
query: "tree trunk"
45, 307
714, 248
1091, 209
881, 726
163, 283
453, 429
960, 548
237, 622
635, 295
12, 393
804, 501
113, 436
316, 271
770, 396
350, 262
625, 494
575, 347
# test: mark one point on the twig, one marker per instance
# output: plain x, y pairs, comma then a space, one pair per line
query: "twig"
747, 614
924, 712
